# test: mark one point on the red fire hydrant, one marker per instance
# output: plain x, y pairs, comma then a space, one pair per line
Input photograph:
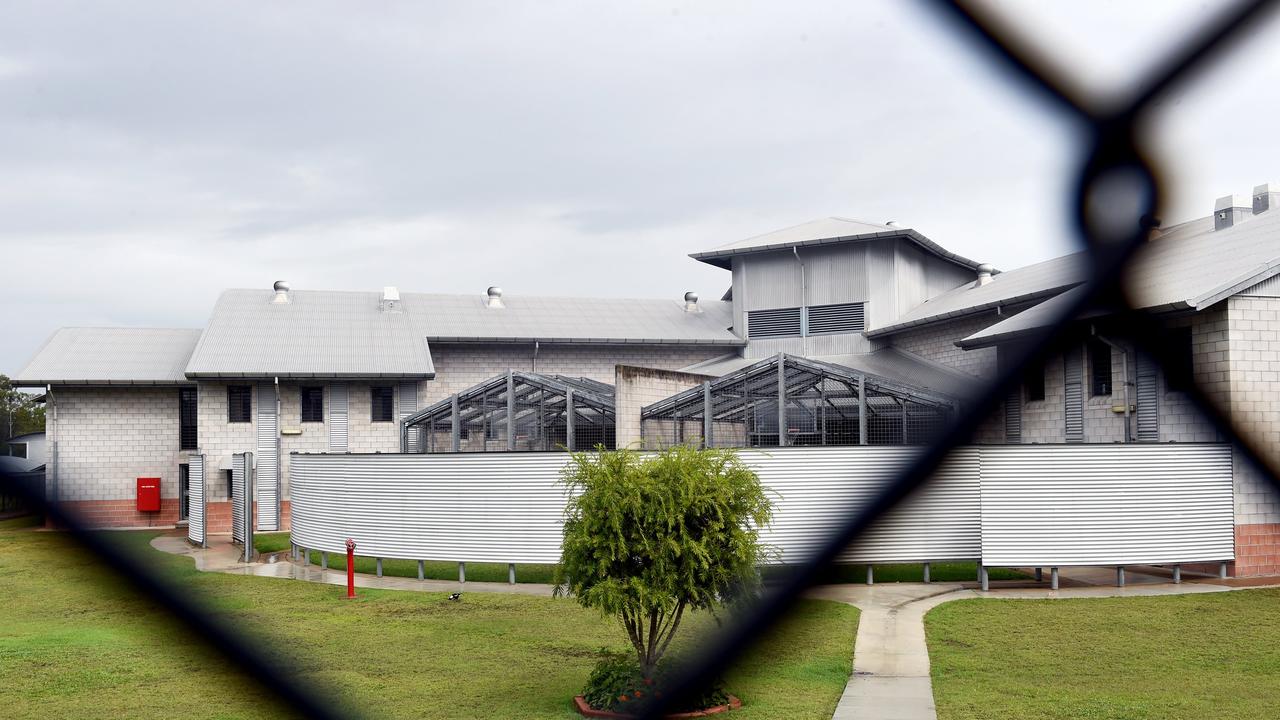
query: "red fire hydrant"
351, 568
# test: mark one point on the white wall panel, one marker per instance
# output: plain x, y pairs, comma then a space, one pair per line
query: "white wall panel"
1106, 504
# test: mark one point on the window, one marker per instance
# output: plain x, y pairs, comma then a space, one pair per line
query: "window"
783, 322
382, 400
188, 439
18, 450
239, 403
312, 404
1033, 382
1176, 357
1099, 368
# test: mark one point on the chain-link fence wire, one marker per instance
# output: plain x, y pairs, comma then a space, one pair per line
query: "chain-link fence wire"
1117, 198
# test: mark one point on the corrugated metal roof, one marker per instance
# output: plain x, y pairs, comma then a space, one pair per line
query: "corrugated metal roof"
1014, 286
1033, 318
111, 356
890, 363
466, 318
824, 231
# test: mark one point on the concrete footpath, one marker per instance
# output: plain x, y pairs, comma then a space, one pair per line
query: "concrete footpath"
891, 679
222, 556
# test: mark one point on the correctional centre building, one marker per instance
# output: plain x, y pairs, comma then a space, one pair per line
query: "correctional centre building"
835, 332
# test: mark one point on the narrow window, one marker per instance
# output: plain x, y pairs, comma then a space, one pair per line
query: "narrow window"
239, 403
1033, 382
312, 404
382, 400
187, 436
1099, 368
1179, 372
18, 450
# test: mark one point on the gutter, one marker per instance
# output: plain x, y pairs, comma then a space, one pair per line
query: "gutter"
971, 310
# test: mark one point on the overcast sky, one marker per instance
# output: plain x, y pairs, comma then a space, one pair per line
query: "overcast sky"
152, 155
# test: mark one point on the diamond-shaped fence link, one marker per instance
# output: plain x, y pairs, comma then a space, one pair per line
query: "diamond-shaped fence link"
1113, 166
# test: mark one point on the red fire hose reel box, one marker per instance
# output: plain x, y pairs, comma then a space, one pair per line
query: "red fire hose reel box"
148, 494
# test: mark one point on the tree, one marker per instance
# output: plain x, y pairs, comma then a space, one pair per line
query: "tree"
649, 538
19, 413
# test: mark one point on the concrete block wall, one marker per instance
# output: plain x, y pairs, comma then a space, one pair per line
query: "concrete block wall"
938, 343
1253, 378
636, 387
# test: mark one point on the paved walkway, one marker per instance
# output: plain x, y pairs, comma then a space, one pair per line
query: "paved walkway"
222, 556
891, 679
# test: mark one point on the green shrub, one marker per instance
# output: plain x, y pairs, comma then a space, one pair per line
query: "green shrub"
617, 684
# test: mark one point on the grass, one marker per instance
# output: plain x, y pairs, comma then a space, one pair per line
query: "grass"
76, 643
1186, 656
432, 569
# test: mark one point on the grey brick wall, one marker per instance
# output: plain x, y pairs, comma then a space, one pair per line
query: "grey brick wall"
637, 387
938, 343
1253, 377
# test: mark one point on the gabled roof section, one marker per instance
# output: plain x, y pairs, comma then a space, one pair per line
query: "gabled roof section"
825, 231
1024, 284
466, 318
111, 356
316, 334
1025, 322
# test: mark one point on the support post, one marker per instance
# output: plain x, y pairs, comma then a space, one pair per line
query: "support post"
569, 438
871, 575
293, 551
306, 557
862, 409
782, 400
324, 560
422, 570
1053, 578
379, 563
1222, 571
455, 423
1039, 574
462, 572
511, 410
511, 573
1119, 576
926, 573
706, 414
984, 577
1177, 574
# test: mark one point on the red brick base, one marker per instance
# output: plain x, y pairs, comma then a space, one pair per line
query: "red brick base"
1257, 550
123, 513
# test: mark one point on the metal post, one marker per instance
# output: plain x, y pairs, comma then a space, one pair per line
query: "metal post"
455, 424
1039, 574
1119, 576
422, 570
511, 410
1222, 571
379, 563
706, 414
984, 576
462, 572
568, 420
1177, 574
871, 575
306, 557
511, 574
782, 400
293, 551
324, 560
1053, 578
926, 572
862, 409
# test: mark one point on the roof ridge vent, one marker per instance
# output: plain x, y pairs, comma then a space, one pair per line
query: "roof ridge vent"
282, 293
1231, 210
390, 301
494, 299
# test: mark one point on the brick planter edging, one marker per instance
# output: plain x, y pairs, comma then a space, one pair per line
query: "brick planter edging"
585, 710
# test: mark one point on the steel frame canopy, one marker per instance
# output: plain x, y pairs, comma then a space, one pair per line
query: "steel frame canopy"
818, 403
546, 412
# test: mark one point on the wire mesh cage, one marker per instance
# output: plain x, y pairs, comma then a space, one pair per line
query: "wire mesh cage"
786, 400
518, 411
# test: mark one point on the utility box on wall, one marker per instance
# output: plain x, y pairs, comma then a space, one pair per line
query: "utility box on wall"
148, 494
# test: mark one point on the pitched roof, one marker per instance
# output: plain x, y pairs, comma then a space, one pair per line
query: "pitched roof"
1027, 321
824, 231
111, 356
467, 318
1023, 284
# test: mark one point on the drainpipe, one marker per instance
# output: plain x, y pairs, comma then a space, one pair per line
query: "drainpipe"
51, 403
804, 303
1124, 371
533, 364
279, 460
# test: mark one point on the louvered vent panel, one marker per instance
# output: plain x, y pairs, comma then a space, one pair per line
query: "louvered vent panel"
841, 318
782, 322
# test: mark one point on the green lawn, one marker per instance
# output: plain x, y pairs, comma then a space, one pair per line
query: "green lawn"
75, 643
1186, 656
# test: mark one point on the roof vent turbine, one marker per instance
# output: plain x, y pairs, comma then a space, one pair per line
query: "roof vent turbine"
1231, 210
282, 292
691, 302
984, 274
495, 297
